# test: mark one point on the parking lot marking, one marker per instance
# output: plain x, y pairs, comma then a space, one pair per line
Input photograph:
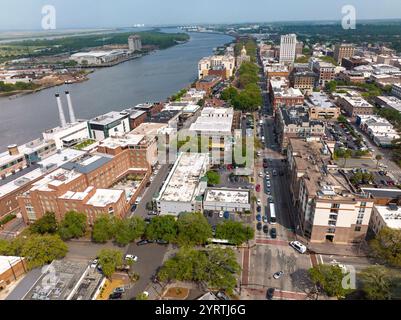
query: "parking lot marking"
274, 242
245, 266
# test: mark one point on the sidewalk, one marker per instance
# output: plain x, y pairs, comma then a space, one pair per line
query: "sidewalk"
356, 250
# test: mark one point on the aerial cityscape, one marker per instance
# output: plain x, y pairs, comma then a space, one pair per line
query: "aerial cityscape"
235, 157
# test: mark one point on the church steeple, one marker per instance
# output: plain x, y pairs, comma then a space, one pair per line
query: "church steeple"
243, 51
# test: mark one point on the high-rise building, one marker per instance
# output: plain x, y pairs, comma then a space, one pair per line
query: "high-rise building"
134, 43
288, 48
343, 50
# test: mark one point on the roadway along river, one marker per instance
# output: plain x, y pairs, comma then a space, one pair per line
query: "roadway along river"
150, 78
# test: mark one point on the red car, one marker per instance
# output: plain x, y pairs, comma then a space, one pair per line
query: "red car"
257, 188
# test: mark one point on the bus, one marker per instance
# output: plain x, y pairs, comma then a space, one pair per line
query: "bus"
273, 219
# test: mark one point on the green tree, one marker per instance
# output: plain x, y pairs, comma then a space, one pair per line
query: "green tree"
193, 229
162, 228
378, 158
387, 246
213, 178
103, 229
377, 283
141, 296
234, 231
5, 248
229, 94
128, 230
329, 278
109, 260
46, 224
73, 225
43, 249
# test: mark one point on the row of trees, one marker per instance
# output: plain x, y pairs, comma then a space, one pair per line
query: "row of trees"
248, 100
18, 86
216, 267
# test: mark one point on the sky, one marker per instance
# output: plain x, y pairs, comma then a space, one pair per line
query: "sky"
27, 15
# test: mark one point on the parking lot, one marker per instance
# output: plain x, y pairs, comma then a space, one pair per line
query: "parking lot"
268, 259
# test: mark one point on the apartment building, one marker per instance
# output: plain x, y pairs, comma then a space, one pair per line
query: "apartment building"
320, 107
288, 45
326, 71
343, 50
379, 129
93, 184
294, 122
282, 95
329, 209
385, 217
353, 104
303, 80
396, 90
109, 124
69, 135
276, 70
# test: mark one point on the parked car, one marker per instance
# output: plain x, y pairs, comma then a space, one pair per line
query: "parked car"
258, 202
222, 296
261, 174
258, 208
274, 173
257, 188
278, 275
273, 233
259, 226
265, 220
221, 214
119, 290
268, 183
271, 200
298, 246
259, 217
266, 229
270, 293
115, 295
131, 257
143, 242
94, 263
161, 241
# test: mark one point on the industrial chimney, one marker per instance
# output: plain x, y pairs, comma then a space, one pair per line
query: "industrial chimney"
63, 123
70, 108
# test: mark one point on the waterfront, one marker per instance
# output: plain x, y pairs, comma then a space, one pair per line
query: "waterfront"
151, 78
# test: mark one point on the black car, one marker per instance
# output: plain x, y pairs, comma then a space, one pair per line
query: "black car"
143, 242
270, 293
266, 229
115, 296
161, 241
258, 208
222, 296
273, 233
259, 226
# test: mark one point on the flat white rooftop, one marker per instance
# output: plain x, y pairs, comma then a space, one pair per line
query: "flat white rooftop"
227, 196
392, 218
183, 179
7, 261
104, 197
214, 120
55, 179
108, 118
149, 128
127, 140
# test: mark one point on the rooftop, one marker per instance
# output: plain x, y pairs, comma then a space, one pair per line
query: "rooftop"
88, 163
55, 179
227, 196
124, 141
214, 120
148, 128
184, 178
105, 197
108, 118
321, 100
7, 261
391, 215
355, 99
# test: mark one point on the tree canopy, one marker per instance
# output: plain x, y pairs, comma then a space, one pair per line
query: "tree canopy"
377, 283
73, 225
109, 260
387, 246
193, 229
329, 278
213, 178
235, 232
128, 230
162, 228
46, 224
103, 229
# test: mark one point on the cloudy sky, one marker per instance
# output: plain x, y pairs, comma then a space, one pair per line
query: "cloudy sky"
26, 14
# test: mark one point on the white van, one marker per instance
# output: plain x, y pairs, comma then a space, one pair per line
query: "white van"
298, 246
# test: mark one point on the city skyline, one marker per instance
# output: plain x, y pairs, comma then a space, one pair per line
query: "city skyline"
20, 15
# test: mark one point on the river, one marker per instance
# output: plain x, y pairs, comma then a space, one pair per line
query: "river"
153, 77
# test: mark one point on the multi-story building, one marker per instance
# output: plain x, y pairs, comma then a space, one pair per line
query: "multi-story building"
343, 50
329, 209
282, 95
276, 70
184, 186
353, 104
224, 199
303, 80
87, 185
325, 70
385, 217
109, 124
295, 122
207, 83
353, 62
389, 102
67, 136
299, 48
320, 107
352, 76
227, 62
243, 57
396, 90
379, 129
134, 43
288, 47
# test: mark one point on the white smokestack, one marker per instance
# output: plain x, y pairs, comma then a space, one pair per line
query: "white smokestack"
60, 111
70, 108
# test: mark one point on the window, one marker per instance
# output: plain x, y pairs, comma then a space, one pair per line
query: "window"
333, 217
360, 216
358, 228
359, 221
362, 210
335, 206
331, 230
363, 204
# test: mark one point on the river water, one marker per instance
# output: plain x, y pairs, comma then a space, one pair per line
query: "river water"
150, 78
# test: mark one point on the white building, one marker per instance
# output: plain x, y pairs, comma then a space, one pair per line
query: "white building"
109, 124
71, 134
385, 216
98, 57
288, 46
134, 43
232, 200
379, 129
215, 62
180, 193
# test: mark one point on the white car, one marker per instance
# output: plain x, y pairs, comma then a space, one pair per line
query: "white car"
261, 174
259, 202
94, 263
131, 257
298, 246
221, 214
268, 183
